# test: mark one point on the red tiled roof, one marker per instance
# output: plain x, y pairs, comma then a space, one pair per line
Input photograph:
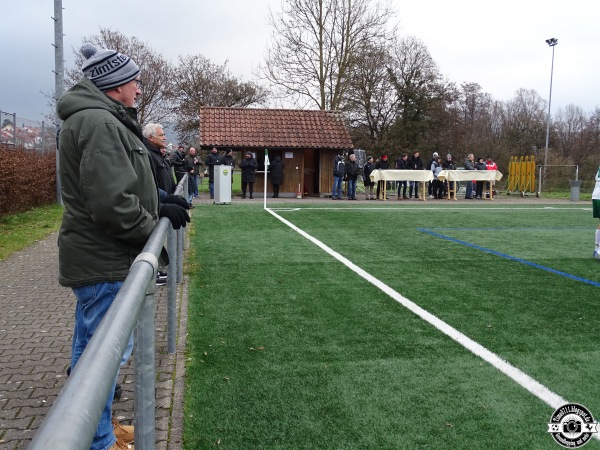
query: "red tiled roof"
292, 128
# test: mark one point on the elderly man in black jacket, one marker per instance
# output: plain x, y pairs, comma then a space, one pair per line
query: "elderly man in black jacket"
155, 140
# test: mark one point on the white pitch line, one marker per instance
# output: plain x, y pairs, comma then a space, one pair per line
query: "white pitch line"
434, 209
536, 388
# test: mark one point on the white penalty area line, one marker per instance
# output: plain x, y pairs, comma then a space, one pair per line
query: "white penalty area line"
432, 209
539, 390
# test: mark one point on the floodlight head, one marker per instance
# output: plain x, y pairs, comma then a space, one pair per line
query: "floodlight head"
552, 42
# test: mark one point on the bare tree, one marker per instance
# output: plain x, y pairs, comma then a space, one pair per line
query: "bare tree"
474, 125
312, 47
569, 124
525, 122
370, 104
196, 82
423, 96
153, 106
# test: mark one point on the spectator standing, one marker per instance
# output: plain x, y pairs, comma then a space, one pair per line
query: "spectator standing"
276, 172
433, 159
469, 165
490, 165
248, 167
229, 160
154, 140
352, 175
197, 172
179, 163
191, 160
438, 186
596, 212
479, 165
367, 169
339, 170
449, 165
402, 164
213, 159
382, 164
110, 198
414, 163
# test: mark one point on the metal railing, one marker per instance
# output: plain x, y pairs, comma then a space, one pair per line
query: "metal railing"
91, 379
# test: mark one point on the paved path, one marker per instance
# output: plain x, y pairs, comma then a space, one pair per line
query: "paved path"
36, 322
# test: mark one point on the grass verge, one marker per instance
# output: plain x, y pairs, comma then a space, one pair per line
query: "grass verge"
18, 231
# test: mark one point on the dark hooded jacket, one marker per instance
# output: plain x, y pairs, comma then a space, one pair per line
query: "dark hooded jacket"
108, 188
276, 171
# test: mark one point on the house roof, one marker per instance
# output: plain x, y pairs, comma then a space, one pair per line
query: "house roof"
290, 128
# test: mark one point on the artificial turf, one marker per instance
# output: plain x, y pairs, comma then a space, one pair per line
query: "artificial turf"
288, 348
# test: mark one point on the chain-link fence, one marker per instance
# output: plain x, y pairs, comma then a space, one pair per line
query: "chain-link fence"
19, 132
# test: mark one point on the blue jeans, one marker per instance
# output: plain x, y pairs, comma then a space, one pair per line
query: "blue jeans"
469, 192
92, 303
337, 187
196, 178
351, 187
211, 188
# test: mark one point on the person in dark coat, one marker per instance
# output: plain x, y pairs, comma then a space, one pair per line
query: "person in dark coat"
339, 170
382, 164
367, 169
248, 166
213, 159
479, 165
449, 186
402, 164
180, 165
276, 171
352, 175
191, 160
155, 141
414, 163
229, 160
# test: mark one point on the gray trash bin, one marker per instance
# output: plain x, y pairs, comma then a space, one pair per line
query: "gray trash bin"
222, 185
575, 185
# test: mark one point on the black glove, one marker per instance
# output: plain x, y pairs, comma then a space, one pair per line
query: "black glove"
176, 214
176, 200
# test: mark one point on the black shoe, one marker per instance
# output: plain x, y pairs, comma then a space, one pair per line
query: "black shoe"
251, 197
161, 275
118, 392
161, 281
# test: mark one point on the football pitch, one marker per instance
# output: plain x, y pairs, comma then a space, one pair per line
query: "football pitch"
372, 325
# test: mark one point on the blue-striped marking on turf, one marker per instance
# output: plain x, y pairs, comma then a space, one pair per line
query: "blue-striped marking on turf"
512, 258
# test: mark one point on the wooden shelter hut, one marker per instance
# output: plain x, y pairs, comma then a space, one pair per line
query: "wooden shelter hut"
306, 140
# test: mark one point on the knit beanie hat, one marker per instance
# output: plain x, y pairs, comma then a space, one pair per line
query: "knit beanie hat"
107, 69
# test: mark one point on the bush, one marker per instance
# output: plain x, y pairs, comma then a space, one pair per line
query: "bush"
27, 179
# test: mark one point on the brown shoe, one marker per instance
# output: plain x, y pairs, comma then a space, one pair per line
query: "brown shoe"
123, 433
120, 445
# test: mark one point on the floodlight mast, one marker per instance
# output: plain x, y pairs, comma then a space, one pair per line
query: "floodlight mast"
551, 42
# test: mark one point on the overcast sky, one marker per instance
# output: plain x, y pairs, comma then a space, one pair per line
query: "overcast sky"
498, 44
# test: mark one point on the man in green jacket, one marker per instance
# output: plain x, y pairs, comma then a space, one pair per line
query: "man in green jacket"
111, 200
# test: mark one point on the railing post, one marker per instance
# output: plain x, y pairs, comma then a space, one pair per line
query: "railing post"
144, 401
172, 291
